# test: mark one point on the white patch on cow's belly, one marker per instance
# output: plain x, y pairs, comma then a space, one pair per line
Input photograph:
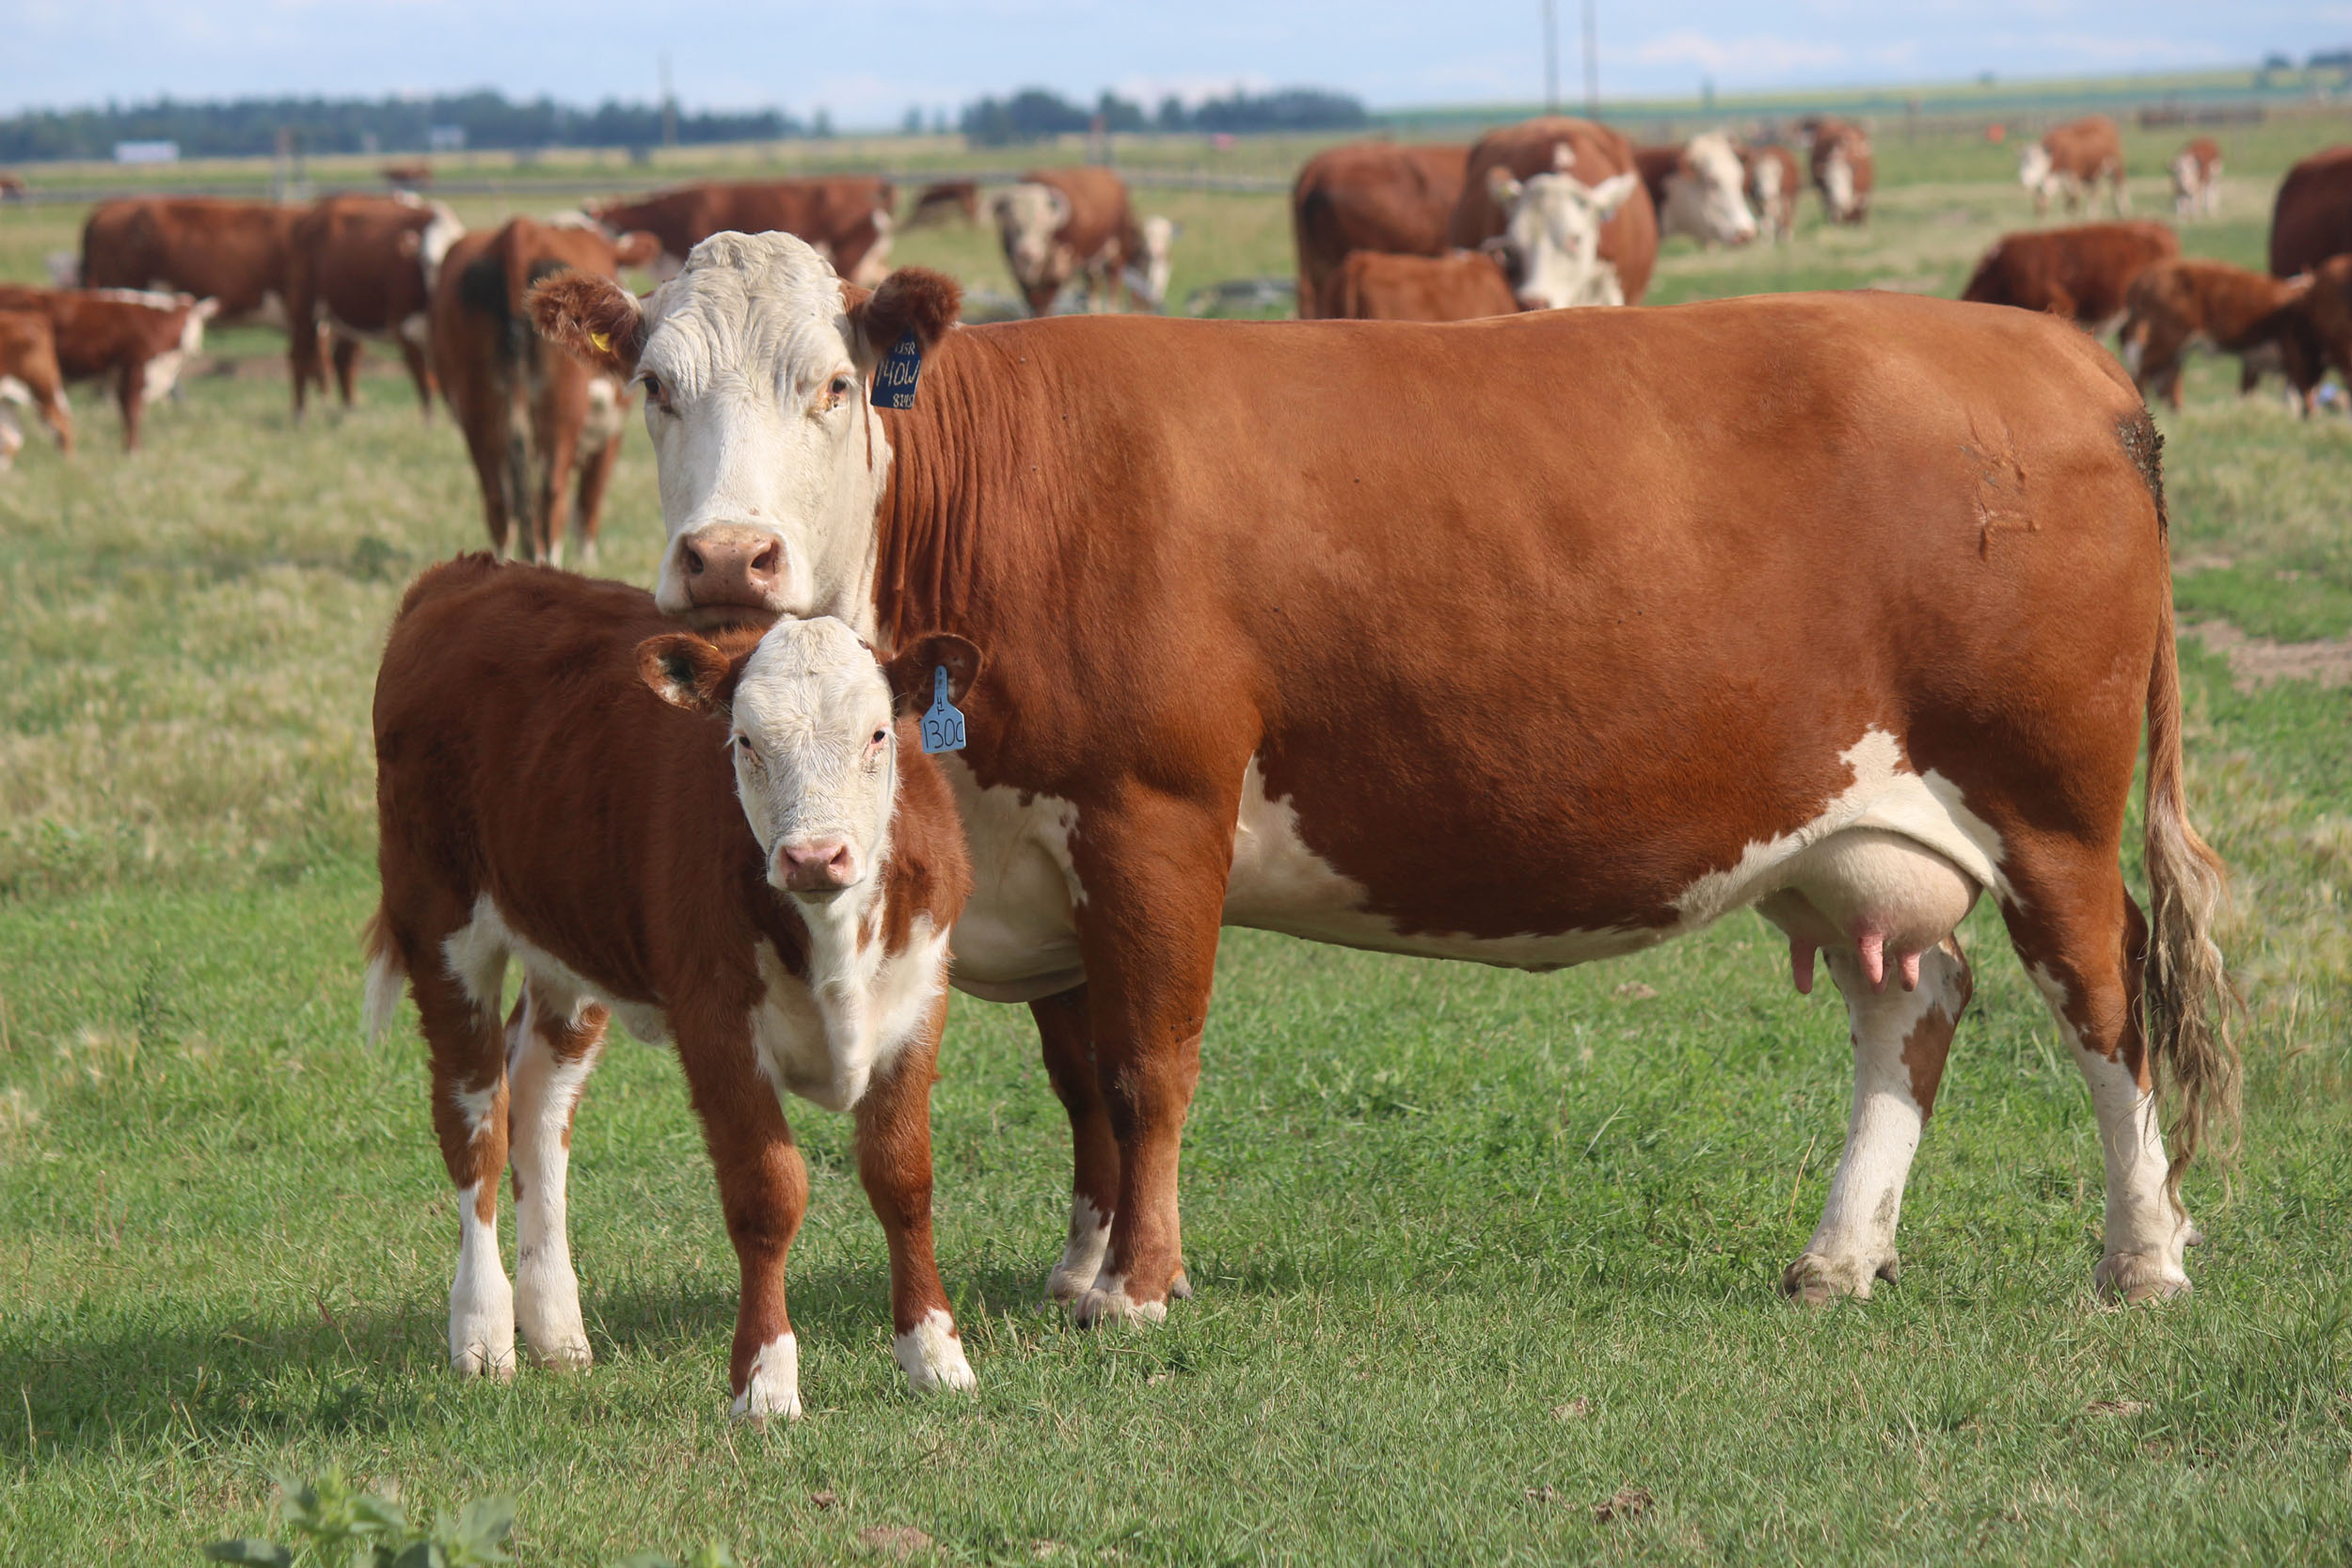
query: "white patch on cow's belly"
1018, 937
163, 373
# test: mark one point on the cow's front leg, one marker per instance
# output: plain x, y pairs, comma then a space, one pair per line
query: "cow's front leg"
1065, 1035
894, 1160
552, 1046
1900, 1037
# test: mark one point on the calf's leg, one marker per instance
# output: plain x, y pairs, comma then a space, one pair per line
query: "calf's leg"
894, 1160
469, 1115
552, 1046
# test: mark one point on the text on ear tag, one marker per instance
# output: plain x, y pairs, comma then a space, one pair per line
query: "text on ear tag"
942, 722
893, 379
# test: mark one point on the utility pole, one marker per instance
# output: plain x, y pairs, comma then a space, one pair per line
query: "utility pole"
669, 104
1592, 63
1551, 56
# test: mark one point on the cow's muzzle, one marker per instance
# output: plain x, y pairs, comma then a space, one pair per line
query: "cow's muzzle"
731, 566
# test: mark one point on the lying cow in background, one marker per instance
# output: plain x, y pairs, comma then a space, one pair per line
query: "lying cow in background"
1460, 286
1560, 204
734, 844
533, 418
1699, 189
29, 374
1843, 170
2080, 273
232, 251
142, 341
364, 267
848, 218
1060, 225
1372, 196
2070, 162
2197, 180
1774, 183
2175, 306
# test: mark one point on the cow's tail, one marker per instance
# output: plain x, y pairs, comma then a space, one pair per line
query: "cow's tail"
2186, 999
387, 976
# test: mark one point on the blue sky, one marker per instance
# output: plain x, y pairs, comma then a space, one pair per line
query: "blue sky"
866, 63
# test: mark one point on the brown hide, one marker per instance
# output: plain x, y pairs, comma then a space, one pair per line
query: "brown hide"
2080, 273
28, 353
2312, 219
105, 333
1629, 241
1462, 286
1371, 196
2172, 304
837, 215
232, 251
355, 268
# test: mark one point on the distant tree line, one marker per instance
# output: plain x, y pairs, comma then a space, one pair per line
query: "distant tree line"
250, 125
1034, 113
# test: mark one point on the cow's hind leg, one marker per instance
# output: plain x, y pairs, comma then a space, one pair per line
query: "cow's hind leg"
552, 1046
457, 1008
1063, 1034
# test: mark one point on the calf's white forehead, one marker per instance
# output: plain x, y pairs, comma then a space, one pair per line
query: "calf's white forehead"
810, 681
764, 300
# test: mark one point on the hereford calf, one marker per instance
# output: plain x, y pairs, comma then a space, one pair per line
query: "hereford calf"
2070, 162
2197, 180
1461, 286
1063, 224
1774, 185
733, 844
1371, 196
141, 340
29, 374
2173, 306
2079, 273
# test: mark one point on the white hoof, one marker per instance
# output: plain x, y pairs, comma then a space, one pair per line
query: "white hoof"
1108, 1302
1816, 1279
933, 1356
2138, 1276
482, 1323
548, 1314
774, 1387
1082, 1255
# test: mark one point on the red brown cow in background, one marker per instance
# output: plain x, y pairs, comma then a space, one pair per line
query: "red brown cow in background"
2197, 180
2324, 316
1572, 168
946, 201
2312, 219
29, 374
232, 251
533, 418
364, 267
142, 340
2080, 273
1461, 285
1372, 196
2175, 306
2070, 160
1059, 224
847, 217
1774, 183
1843, 170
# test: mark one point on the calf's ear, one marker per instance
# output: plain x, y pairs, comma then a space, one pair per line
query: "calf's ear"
910, 299
637, 248
593, 319
1502, 186
686, 671
909, 670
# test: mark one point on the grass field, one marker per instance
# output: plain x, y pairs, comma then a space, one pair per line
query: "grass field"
1478, 1253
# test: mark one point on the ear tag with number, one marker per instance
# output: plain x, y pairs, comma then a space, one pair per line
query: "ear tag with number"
893, 379
942, 722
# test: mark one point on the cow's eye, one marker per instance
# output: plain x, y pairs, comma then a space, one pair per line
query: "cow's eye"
881, 735
838, 390
656, 393
743, 748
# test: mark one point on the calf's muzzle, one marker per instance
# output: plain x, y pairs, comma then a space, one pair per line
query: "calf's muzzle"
824, 865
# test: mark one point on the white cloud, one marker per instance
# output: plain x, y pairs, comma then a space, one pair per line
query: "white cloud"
1193, 89
1760, 54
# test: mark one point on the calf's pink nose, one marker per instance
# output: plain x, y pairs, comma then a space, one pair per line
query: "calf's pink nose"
817, 867
730, 564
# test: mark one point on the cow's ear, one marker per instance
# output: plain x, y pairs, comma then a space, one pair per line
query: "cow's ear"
593, 319
1503, 186
909, 670
912, 299
637, 248
1614, 193
686, 671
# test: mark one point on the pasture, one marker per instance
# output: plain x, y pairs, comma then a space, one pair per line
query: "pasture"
1487, 1262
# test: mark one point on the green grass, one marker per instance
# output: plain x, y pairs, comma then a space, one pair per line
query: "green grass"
1430, 1208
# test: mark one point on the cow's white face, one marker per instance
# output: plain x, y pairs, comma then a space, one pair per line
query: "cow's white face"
1838, 181
2033, 167
1707, 199
1768, 180
1552, 233
1029, 219
770, 460
816, 760
1150, 272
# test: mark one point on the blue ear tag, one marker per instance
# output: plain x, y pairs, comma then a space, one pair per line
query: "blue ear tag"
893, 380
942, 722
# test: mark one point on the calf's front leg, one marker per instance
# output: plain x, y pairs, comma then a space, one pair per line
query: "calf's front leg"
894, 1160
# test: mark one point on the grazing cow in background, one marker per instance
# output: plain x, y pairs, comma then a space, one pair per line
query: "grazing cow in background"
232, 251
1843, 170
736, 844
533, 418
2175, 306
29, 374
1061, 223
2197, 180
141, 340
2079, 273
1372, 196
2312, 219
407, 177
364, 267
1230, 682
1699, 189
847, 217
2324, 317
1459, 286
1569, 229
1774, 183
11, 187
2070, 162
945, 201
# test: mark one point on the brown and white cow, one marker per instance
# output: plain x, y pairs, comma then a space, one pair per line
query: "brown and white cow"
847, 217
364, 267
142, 341
29, 374
2197, 180
1847, 607
2175, 306
2080, 273
735, 844
209, 246
1461, 285
1774, 183
1561, 203
2070, 160
2312, 218
535, 421
1699, 188
1373, 196
1843, 170
1057, 225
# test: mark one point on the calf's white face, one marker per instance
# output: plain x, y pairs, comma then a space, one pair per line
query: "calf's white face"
2033, 167
1707, 199
1552, 231
1149, 277
1029, 217
1838, 181
815, 756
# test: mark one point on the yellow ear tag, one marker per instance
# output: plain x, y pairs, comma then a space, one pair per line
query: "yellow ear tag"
604, 345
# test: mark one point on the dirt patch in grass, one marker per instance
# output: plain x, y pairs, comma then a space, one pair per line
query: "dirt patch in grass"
2256, 661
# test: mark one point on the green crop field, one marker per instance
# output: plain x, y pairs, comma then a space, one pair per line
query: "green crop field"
1487, 1262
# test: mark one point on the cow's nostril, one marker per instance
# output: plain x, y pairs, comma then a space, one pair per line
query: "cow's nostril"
694, 561
766, 562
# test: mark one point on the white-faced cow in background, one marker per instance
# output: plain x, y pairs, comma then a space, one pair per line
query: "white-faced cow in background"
2068, 163
1550, 242
1549, 236
1060, 225
1699, 189
2197, 180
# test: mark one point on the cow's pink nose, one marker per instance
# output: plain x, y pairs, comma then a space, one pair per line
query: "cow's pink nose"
730, 565
824, 866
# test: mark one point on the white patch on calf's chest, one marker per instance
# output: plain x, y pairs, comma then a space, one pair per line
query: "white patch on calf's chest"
823, 1037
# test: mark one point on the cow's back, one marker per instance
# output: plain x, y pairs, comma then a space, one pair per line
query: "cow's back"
1371, 196
1101, 217
2312, 218
1629, 241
